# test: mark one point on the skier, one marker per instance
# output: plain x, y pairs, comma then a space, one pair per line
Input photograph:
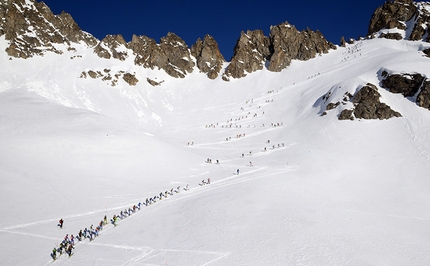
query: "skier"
237, 171
80, 235
209, 180
60, 223
69, 250
105, 220
54, 254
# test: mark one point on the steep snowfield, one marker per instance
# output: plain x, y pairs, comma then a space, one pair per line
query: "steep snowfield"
322, 192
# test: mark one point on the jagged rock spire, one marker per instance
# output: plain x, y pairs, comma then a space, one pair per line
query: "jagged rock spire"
392, 15
250, 53
172, 54
209, 58
285, 43
288, 44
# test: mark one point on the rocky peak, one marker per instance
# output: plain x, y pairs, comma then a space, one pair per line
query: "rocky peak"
178, 60
172, 54
288, 44
250, 54
285, 43
209, 58
31, 28
112, 46
395, 14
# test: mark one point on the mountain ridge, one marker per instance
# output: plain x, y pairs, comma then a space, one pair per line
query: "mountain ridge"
30, 34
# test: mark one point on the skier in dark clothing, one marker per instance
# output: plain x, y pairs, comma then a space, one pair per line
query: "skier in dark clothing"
60, 223
80, 235
69, 250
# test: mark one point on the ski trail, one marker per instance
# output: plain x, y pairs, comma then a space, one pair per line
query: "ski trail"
229, 181
149, 253
67, 217
27, 234
221, 257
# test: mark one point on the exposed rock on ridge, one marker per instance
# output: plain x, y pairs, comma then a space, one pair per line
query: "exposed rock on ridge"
209, 58
399, 15
172, 54
32, 28
112, 46
289, 44
285, 43
250, 54
392, 15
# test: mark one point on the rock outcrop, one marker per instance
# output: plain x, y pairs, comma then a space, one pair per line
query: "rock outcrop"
287, 43
130, 79
209, 58
284, 44
409, 85
399, 15
172, 54
106, 76
406, 84
32, 28
112, 46
250, 54
368, 106
391, 15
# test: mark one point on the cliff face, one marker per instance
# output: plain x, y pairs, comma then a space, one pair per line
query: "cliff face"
288, 44
172, 54
284, 44
250, 53
401, 19
209, 58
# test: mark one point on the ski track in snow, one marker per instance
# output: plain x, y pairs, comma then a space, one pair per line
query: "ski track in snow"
147, 255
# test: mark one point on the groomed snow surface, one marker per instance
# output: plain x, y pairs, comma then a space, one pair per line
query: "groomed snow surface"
322, 192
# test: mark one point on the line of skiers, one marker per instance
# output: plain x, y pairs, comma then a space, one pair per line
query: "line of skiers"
68, 243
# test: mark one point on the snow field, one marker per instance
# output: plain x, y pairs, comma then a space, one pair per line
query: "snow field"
336, 192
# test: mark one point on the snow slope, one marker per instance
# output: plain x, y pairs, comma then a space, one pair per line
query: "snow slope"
322, 192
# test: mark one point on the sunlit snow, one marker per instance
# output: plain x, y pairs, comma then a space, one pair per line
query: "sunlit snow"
311, 190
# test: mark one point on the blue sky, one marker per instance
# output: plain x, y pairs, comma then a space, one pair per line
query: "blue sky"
222, 19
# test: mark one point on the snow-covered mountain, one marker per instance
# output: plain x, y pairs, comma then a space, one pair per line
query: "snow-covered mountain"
324, 162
